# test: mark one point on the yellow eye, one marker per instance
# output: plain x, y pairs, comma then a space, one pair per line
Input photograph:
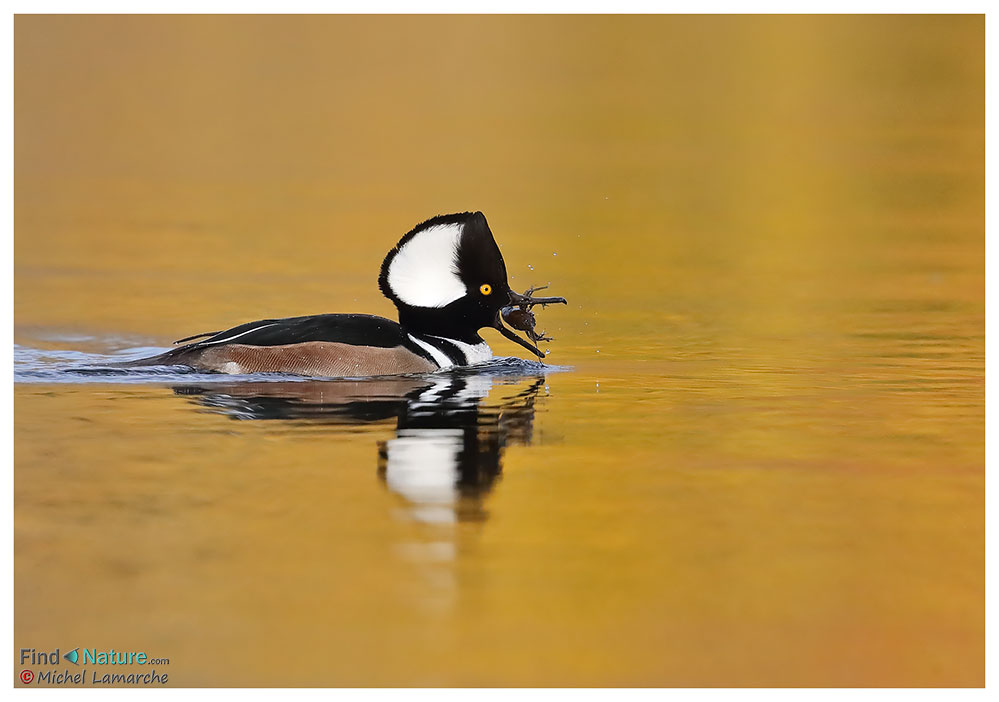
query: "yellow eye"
485, 288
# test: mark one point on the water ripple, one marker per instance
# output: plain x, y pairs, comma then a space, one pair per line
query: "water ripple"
33, 365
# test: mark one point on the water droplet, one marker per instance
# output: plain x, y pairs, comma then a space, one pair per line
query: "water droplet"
554, 253
547, 351
598, 350
530, 267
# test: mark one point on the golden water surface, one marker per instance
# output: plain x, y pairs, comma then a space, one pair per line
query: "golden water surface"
762, 462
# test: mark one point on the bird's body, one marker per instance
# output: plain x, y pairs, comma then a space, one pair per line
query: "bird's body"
447, 279
327, 345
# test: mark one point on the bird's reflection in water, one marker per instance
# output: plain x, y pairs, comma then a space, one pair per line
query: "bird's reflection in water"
445, 457
449, 436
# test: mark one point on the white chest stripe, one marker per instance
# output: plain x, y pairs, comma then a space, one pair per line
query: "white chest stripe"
440, 358
236, 336
474, 353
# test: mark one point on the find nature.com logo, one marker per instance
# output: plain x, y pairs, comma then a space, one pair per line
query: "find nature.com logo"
44, 667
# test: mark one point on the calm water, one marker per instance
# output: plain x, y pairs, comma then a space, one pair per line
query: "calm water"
755, 455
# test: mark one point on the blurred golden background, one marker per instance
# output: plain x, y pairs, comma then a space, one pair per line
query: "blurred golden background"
766, 467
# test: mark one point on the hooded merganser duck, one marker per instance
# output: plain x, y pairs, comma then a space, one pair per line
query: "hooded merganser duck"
446, 278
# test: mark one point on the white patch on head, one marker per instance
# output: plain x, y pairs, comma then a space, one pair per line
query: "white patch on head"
424, 271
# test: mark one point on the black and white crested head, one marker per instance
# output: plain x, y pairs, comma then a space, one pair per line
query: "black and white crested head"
441, 261
448, 280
